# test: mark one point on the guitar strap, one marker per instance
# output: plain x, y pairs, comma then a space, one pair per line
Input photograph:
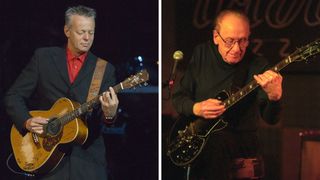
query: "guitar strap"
97, 79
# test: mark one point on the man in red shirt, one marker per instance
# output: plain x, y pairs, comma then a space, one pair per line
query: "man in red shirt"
67, 71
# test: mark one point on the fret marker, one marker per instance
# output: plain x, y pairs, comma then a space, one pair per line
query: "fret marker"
121, 85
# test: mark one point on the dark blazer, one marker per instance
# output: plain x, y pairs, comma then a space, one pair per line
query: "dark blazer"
45, 79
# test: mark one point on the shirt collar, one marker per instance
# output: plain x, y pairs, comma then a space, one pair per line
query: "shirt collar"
70, 56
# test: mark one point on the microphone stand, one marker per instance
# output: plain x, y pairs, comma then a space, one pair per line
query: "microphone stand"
168, 85
177, 56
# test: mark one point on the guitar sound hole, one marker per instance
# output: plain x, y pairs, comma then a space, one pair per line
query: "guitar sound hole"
53, 127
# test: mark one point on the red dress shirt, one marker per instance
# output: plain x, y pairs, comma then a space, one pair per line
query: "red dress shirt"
74, 64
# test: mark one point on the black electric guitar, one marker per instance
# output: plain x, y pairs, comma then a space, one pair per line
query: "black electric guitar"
188, 137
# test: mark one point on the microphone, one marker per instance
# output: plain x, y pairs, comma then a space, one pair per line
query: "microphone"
177, 56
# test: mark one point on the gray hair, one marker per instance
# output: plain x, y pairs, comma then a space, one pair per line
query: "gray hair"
238, 13
79, 10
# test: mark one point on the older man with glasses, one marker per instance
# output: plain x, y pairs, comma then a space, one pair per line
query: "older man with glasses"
225, 63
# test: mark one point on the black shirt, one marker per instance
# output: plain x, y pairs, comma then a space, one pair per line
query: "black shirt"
207, 75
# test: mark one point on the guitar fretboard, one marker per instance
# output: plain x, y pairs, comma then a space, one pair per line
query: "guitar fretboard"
130, 82
230, 101
85, 107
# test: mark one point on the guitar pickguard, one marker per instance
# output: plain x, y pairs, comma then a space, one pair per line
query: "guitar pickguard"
49, 142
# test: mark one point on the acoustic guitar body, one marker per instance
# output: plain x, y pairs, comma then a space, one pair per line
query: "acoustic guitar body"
42, 153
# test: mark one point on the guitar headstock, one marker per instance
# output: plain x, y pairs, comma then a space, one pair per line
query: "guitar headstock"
134, 80
307, 51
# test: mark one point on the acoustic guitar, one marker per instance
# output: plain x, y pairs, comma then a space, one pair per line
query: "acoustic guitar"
40, 154
188, 136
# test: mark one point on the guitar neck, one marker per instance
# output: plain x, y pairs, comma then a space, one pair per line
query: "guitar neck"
85, 107
231, 100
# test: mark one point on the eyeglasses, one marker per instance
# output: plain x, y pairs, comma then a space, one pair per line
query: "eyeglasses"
230, 42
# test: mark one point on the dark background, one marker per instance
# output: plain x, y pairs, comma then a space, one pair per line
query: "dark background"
124, 30
279, 27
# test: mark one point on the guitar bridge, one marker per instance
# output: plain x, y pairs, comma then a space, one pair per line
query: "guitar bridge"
35, 139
